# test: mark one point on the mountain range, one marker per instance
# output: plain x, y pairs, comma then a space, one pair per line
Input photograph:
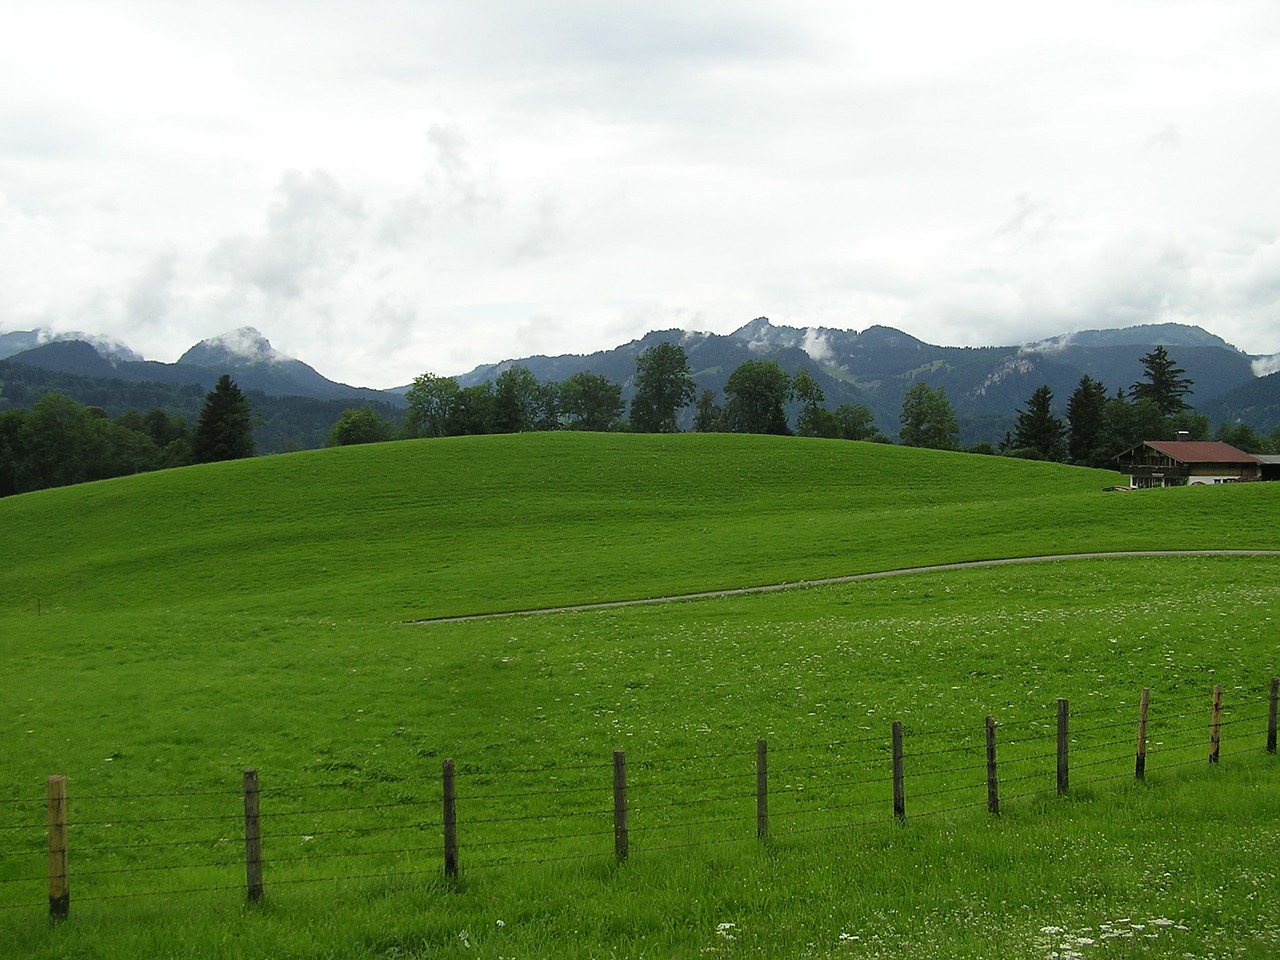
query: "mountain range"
875, 367
986, 385
245, 354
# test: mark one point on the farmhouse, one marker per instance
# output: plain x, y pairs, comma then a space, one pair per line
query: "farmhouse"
1270, 466
1180, 463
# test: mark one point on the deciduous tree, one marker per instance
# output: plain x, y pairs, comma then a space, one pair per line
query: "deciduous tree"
664, 386
856, 422
589, 401
928, 419
431, 402
516, 401
358, 425
707, 419
473, 412
814, 419
757, 391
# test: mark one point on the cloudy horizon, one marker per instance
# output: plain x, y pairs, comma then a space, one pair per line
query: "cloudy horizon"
392, 187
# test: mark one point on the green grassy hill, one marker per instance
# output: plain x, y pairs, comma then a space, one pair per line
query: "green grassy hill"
477, 525
165, 632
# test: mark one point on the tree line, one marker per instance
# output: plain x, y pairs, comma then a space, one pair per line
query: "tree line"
59, 442
756, 396
1099, 424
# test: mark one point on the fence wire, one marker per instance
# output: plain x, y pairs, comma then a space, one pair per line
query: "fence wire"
816, 788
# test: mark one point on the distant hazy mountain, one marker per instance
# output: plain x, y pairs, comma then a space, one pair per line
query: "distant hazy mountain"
986, 385
245, 354
1256, 403
1169, 334
21, 341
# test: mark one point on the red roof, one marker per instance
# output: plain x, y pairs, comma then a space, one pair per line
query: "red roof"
1204, 451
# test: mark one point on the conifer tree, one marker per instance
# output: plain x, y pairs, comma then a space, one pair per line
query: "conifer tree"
1164, 383
1086, 419
225, 428
1038, 429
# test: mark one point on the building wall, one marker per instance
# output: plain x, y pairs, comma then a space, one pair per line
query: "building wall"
1199, 475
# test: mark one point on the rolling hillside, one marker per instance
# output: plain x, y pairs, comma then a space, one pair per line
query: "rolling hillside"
166, 632
481, 524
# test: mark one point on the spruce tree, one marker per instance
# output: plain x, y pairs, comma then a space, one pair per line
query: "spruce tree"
1164, 383
225, 428
1038, 429
1086, 420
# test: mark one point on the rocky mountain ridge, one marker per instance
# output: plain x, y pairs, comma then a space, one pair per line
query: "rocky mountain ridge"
875, 367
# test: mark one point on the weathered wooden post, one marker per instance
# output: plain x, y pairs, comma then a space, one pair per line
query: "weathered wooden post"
252, 838
1271, 715
1063, 773
1215, 727
450, 821
59, 880
993, 785
762, 790
899, 791
621, 843
1140, 763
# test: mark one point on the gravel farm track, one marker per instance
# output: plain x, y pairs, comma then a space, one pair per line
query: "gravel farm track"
852, 578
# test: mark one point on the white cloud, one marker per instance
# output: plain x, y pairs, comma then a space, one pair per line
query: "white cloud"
414, 186
1266, 366
311, 225
816, 345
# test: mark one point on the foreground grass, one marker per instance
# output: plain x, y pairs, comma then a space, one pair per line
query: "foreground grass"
956, 886
161, 672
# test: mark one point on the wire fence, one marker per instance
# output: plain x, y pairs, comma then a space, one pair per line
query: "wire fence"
478, 818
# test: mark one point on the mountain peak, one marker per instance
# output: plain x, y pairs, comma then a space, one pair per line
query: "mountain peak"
108, 348
245, 345
881, 337
1169, 334
758, 333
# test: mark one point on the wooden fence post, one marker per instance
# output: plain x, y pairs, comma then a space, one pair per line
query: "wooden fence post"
1140, 764
993, 785
762, 790
899, 791
1063, 773
621, 845
450, 820
252, 838
59, 881
1271, 715
1215, 727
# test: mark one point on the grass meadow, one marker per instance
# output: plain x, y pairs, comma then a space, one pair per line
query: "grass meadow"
163, 633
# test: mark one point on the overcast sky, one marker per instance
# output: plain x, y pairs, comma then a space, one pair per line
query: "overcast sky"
384, 188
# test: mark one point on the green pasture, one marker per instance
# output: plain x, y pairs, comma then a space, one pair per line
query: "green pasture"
166, 632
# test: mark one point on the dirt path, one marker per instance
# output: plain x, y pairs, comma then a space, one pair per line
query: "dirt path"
852, 578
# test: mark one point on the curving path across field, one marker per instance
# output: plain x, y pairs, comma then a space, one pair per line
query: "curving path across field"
852, 578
